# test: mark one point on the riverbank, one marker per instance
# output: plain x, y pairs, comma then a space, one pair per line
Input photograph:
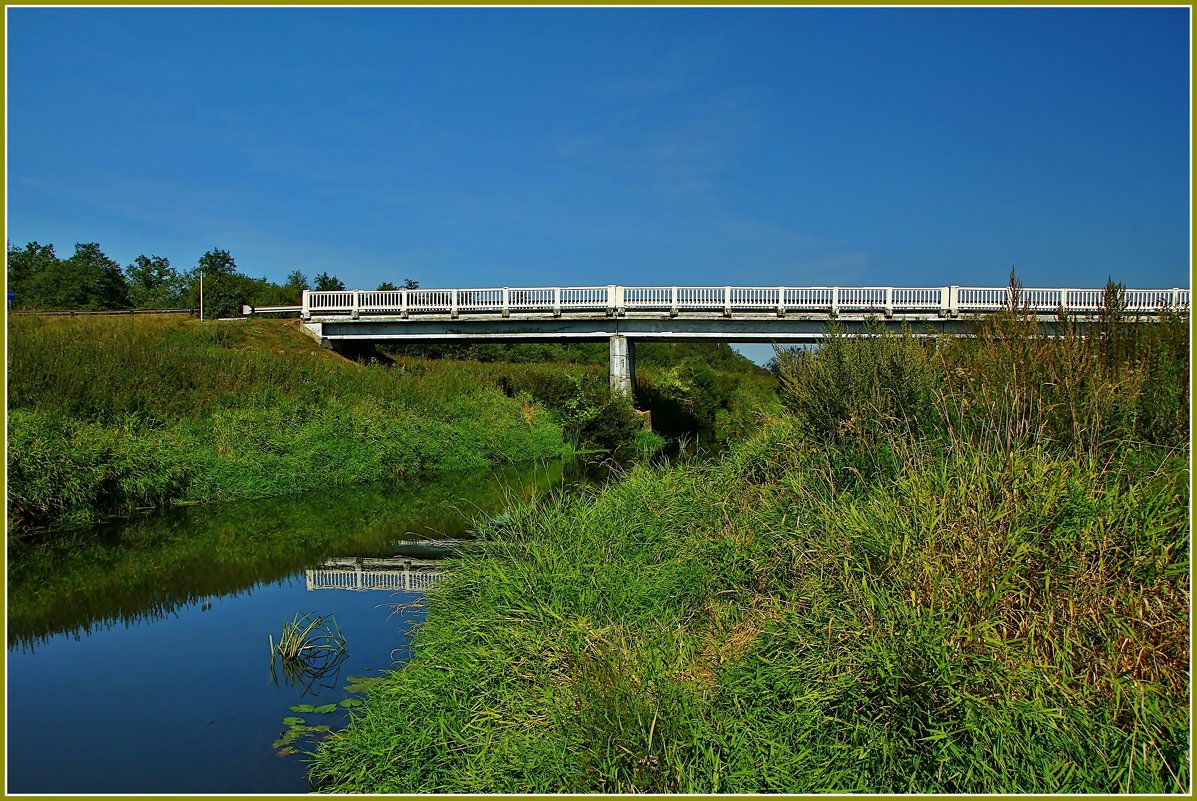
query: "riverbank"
108, 416
963, 570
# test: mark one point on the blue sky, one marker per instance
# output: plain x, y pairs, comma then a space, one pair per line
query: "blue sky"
490, 147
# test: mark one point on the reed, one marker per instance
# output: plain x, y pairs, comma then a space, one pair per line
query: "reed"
309, 649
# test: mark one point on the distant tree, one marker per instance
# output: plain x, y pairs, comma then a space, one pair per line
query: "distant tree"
88, 280
28, 268
293, 289
328, 283
297, 281
154, 284
225, 290
407, 284
217, 262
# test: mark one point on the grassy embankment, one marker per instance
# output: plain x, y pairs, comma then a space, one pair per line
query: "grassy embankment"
107, 415
954, 566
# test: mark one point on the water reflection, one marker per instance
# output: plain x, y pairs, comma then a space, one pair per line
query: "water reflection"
393, 574
147, 568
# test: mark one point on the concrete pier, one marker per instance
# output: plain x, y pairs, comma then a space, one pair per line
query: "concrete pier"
623, 365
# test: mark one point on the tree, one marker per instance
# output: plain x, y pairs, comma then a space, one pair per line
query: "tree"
217, 262
407, 284
293, 289
27, 270
88, 280
225, 289
328, 283
154, 284
296, 281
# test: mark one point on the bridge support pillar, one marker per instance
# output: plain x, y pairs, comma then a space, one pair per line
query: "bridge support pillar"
623, 365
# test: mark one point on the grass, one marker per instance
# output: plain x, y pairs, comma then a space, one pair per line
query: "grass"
110, 415
956, 582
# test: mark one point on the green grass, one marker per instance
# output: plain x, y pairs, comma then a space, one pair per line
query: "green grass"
954, 579
111, 415
989, 623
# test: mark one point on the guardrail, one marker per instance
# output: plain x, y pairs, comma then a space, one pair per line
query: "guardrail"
81, 313
613, 299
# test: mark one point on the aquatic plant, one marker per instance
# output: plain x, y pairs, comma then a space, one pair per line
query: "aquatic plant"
309, 648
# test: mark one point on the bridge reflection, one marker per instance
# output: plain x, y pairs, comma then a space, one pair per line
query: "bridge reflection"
392, 574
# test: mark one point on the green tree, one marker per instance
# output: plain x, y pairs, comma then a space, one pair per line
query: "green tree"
154, 284
328, 283
217, 262
28, 268
293, 289
410, 284
387, 286
224, 288
88, 281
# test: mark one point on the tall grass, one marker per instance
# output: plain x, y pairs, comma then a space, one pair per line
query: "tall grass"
111, 415
951, 579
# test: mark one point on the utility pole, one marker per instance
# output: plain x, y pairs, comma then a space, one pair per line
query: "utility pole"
201, 294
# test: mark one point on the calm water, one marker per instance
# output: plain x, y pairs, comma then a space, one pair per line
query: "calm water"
138, 659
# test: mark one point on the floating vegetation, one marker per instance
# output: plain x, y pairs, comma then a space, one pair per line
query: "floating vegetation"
298, 727
310, 649
319, 710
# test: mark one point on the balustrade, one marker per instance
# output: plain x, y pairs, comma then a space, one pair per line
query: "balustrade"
947, 301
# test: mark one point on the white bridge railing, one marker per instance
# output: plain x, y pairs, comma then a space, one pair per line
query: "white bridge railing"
947, 301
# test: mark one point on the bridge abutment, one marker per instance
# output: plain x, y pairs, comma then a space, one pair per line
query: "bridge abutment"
623, 365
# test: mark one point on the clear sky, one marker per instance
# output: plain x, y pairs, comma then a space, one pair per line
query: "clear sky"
524, 147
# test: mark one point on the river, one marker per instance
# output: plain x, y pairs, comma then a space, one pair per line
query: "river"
138, 652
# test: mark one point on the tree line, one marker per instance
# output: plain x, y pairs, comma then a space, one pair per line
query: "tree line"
88, 280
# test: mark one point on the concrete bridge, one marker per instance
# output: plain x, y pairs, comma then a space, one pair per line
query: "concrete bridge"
623, 315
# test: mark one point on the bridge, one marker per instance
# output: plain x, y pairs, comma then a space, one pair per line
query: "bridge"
623, 315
